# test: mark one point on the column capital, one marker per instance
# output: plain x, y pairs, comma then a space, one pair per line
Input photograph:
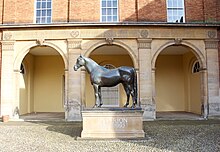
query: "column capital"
211, 44
144, 43
74, 43
7, 45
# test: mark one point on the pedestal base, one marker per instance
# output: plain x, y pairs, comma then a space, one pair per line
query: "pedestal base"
112, 123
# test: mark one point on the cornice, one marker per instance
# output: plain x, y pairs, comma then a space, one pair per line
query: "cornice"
98, 24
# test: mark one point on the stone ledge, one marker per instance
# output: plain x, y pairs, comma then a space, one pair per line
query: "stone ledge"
111, 135
112, 109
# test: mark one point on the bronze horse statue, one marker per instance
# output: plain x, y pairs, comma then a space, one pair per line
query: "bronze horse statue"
103, 77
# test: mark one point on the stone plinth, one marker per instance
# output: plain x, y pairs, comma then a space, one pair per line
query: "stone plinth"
112, 123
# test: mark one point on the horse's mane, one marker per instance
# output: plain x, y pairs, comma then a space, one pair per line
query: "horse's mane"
88, 60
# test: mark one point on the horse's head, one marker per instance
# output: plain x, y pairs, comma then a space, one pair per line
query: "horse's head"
79, 63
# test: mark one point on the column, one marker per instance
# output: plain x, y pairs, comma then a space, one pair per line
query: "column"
73, 104
204, 92
66, 93
8, 88
145, 79
211, 46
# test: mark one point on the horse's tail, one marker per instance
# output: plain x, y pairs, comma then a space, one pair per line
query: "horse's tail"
135, 86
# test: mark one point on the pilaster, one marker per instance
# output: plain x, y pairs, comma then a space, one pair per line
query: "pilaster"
211, 46
204, 92
73, 103
145, 78
8, 90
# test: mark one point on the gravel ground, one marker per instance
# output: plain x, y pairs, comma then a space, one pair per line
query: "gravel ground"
199, 136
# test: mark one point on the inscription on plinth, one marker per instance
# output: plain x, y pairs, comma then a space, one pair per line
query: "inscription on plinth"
112, 123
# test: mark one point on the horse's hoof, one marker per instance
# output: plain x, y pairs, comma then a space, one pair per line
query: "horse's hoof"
95, 106
99, 106
133, 106
125, 106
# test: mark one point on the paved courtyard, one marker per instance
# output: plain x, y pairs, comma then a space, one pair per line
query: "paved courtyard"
194, 135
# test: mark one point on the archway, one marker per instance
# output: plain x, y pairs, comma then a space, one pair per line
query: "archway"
41, 87
111, 56
178, 85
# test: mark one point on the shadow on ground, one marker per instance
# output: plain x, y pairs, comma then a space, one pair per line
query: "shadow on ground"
72, 129
151, 128
182, 135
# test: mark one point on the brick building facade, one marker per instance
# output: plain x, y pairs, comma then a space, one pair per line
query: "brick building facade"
148, 35
20, 12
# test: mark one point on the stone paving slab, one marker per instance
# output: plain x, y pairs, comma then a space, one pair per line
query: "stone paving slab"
161, 136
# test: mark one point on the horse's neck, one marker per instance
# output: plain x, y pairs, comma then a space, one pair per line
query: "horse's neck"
90, 65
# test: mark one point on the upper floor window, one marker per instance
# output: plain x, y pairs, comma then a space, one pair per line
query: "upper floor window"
43, 11
175, 11
109, 10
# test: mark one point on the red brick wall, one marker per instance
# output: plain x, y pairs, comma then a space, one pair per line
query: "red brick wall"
152, 10
18, 11
9, 11
127, 10
210, 10
218, 10
59, 11
22, 11
194, 11
85, 10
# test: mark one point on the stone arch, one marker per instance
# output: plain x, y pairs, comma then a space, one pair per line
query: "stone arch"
118, 43
195, 50
24, 51
198, 55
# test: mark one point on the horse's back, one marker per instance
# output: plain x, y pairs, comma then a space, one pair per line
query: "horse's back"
111, 77
126, 70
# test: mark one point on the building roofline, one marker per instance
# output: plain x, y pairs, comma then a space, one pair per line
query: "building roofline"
94, 24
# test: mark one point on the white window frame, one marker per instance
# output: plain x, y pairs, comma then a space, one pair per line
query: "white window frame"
178, 9
111, 10
22, 69
35, 13
196, 67
117, 97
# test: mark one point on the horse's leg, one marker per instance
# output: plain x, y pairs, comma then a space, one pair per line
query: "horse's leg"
97, 101
134, 88
133, 98
100, 96
132, 93
127, 91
